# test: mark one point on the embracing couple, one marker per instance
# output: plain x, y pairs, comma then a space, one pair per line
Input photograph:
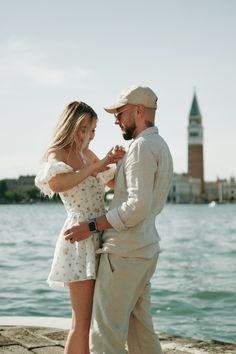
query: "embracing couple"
108, 258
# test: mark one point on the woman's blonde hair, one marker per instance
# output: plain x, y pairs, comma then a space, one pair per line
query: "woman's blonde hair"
66, 129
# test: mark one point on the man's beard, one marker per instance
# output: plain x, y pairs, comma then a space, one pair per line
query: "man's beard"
129, 132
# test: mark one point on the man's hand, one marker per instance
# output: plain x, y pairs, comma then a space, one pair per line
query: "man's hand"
77, 232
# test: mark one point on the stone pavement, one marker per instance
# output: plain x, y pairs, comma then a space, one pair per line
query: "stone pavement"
42, 340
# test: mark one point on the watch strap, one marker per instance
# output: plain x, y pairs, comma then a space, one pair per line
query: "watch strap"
92, 224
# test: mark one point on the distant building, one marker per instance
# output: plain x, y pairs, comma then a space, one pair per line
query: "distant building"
22, 184
227, 190
211, 191
221, 190
185, 189
190, 187
195, 144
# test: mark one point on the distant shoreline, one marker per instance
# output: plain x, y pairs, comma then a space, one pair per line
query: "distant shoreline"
32, 202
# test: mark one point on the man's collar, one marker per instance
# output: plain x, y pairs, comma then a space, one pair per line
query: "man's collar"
148, 131
145, 132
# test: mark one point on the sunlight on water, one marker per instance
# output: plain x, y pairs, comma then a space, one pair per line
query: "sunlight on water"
193, 289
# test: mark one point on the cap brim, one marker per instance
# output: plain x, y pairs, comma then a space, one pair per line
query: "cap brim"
113, 108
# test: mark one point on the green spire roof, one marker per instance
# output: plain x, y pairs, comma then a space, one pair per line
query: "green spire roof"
194, 111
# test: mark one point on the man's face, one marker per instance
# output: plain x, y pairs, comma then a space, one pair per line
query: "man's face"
125, 118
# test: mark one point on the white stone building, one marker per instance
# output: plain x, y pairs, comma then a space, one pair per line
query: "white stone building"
185, 189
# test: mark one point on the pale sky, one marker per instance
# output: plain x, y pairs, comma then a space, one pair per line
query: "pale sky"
55, 51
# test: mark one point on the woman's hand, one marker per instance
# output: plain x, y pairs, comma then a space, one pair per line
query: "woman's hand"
119, 152
114, 155
109, 158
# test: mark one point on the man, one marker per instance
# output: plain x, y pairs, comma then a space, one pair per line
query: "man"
121, 308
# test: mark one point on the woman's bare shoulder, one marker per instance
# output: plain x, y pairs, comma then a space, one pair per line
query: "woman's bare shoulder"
59, 155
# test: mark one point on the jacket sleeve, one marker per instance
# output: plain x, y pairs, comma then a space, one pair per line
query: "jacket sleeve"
140, 169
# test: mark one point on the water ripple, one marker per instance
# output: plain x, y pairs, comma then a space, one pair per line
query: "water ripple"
193, 289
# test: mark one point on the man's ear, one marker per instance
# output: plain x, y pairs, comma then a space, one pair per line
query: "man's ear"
140, 110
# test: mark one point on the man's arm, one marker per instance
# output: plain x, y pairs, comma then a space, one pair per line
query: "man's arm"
140, 170
81, 231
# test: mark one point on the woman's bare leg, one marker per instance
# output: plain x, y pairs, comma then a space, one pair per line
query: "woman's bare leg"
81, 294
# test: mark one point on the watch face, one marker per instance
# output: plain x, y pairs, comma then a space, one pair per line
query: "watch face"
92, 226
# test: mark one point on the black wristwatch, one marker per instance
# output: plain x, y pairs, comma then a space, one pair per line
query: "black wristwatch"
92, 225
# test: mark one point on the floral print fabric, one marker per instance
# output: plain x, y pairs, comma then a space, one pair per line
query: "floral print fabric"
77, 261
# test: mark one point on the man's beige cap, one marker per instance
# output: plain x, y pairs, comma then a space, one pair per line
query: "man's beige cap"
134, 95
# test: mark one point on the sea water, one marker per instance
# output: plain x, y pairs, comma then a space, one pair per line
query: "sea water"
193, 289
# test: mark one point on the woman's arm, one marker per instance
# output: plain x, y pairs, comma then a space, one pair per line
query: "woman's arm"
119, 152
65, 181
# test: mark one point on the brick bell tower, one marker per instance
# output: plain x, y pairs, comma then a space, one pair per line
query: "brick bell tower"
195, 143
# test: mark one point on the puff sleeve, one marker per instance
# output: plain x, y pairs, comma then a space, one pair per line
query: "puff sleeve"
48, 170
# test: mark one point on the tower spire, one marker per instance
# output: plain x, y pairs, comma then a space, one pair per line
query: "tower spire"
195, 142
194, 111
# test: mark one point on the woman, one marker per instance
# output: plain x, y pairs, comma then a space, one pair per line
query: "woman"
71, 169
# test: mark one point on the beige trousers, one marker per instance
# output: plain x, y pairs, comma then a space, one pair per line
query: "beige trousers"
121, 307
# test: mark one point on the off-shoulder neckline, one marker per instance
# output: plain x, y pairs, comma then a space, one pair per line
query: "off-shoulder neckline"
54, 159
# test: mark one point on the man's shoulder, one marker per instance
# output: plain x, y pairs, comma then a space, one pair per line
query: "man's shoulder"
140, 142
151, 144
141, 148
147, 141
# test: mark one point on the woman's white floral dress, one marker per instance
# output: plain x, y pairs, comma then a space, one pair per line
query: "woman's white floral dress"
77, 261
